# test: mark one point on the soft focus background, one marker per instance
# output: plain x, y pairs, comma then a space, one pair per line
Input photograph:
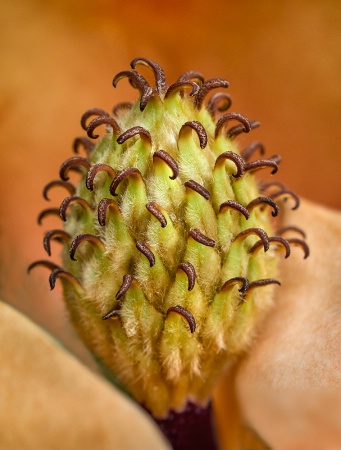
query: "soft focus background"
282, 60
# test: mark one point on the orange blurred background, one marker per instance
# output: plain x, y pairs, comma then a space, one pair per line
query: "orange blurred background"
282, 60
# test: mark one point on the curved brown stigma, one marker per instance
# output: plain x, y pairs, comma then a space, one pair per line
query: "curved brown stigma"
235, 205
68, 201
65, 184
251, 149
94, 171
191, 75
185, 314
198, 128
197, 188
291, 228
60, 273
166, 157
198, 236
85, 142
206, 87
261, 164
234, 157
92, 112
153, 208
261, 201
144, 134
220, 101
235, 280
73, 163
189, 270
276, 239
102, 120
180, 86
138, 82
145, 250
58, 235
263, 282
43, 262
47, 212
257, 231
159, 74
121, 176
235, 131
87, 237
232, 116
115, 313
103, 206
127, 280
302, 244
285, 193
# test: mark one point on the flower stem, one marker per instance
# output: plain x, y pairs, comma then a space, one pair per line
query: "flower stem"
191, 429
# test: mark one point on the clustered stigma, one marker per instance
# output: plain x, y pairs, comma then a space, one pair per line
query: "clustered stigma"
169, 249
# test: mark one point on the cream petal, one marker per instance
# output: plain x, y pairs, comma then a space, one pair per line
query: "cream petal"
50, 401
288, 387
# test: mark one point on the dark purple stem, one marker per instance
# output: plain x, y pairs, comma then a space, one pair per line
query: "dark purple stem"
191, 429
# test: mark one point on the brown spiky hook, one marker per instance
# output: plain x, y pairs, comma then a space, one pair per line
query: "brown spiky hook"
235, 205
68, 201
239, 129
257, 231
131, 132
102, 120
236, 159
232, 116
251, 149
197, 187
103, 206
70, 187
206, 87
86, 237
137, 81
153, 208
92, 112
127, 281
191, 75
261, 164
63, 274
235, 280
58, 235
198, 236
189, 270
159, 74
285, 193
121, 176
84, 142
73, 163
220, 101
143, 247
100, 167
169, 160
44, 263
277, 240
185, 314
180, 86
198, 128
261, 201
47, 212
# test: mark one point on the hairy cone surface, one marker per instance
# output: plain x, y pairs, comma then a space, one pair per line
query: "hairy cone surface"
169, 251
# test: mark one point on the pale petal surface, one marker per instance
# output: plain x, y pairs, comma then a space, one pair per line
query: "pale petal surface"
50, 401
289, 385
